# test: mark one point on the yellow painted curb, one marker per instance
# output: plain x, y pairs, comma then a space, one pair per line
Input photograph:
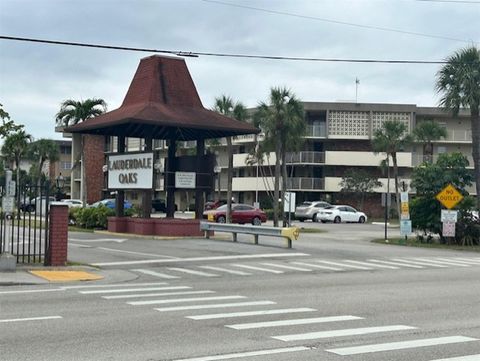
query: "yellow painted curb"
66, 276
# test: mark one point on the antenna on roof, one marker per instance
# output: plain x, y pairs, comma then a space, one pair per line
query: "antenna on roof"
357, 81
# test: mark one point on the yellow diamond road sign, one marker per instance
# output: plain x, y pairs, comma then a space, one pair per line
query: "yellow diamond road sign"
449, 196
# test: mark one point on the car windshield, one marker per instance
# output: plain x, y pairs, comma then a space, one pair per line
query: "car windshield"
330, 207
222, 208
305, 204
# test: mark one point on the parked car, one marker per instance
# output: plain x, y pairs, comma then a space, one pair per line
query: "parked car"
341, 213
73, 203
110, 203
215, 204
159, 205
309, 210
241, 213
31, 205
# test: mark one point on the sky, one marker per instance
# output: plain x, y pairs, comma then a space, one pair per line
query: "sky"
35, 78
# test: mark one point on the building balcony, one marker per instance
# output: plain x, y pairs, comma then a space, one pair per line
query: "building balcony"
262, 184
316, 131
306, 184
462, 136
366, 159
306, 158
419, 159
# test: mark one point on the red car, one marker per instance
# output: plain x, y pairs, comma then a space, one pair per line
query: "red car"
241, 213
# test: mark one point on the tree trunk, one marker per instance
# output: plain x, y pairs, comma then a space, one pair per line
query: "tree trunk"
475, 119
395, 174
229, 180
284, 185
276, 188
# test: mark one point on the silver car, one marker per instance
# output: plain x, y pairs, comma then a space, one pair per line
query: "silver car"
309, 210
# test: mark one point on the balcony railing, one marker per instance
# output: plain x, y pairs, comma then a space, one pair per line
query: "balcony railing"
459, 135
306, 157
303, 183
418, 159
316, 131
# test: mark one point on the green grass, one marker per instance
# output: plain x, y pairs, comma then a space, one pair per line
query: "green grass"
79, 229
413, 242
312, 230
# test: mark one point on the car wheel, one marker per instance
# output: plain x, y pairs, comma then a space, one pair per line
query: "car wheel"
301, 219
361, 219
337, 219
221, 219
323, 221
30, 209
315, 218
257, 221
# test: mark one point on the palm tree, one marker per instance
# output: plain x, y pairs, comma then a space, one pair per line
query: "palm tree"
426, 132
392, 138
14, 149
72, 112
283, 122
226, 106
42, 150
459, 83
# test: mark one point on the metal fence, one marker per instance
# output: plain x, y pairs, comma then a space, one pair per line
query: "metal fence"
24, 229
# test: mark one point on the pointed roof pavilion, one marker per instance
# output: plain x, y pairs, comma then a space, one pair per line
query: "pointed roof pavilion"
162, 103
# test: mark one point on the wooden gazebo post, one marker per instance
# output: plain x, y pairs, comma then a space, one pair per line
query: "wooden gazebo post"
170, 178
120, 197
199, 191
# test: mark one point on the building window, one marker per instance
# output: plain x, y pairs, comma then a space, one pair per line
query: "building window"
66, 165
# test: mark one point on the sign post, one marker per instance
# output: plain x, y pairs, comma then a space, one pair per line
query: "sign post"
449, 197
405, 222
8, 262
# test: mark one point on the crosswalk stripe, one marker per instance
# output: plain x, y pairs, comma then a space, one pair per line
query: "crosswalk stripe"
117, 285
468, 260
153, 273
251, 313
248, 354
116, 297
344, 332
370, 264
429, 264
468, 264
399, 345
193, 272
258, 268
92, 292
216, 305
287, 267
396, 263
181, 300
221, 269
441, 262
301, 321
30, 319
461, 358
317, 266
344, 265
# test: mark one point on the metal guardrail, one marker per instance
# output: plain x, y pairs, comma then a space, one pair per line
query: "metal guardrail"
290, 233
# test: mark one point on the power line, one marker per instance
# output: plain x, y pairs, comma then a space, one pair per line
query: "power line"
452, 1
225, 55
336, 21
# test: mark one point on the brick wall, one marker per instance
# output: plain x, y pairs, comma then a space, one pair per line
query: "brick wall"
58, 229
94, 147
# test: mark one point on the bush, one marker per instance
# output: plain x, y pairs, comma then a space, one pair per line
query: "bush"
91, 217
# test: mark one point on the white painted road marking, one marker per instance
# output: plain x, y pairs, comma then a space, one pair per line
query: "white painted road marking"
221, 269
193, 259
344, 265
117, 240
247, 354
474, 260
344, 332
122, 290
192, 272
216, 305
136, 253
317, 266
153, 273
301, 321
251, 313
258, 268
399, 345
181, 300
370, 264
117, 285
418, 263
157, 294
31, 319
396, 263
287, 267
461, 358
31, 291
441, 262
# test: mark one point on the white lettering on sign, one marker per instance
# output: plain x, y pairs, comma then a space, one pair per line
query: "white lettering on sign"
130, 171
449, 216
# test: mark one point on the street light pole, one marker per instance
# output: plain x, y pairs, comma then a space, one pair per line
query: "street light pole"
387, 196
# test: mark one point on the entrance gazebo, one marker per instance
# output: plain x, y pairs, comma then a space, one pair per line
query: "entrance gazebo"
162, 103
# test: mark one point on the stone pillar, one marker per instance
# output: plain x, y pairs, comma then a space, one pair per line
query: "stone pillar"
199, 190
120, 197
170, 178
58, 231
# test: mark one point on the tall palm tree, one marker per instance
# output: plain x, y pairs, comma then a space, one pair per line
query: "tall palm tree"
459, 83
42, 150
282, 120
426, 132
392, 138
226, 106
14, 149
72, 112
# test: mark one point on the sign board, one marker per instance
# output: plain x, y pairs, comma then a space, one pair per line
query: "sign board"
185, 180
404, 197
449, 196
448, 229
405, 210
449, 216
11, 187
289, 202
130, 171
405, 227
8, 204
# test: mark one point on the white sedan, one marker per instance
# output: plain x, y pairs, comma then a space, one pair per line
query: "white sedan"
337, 214
73, 203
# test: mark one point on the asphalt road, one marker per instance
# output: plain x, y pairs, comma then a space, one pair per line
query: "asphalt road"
335, 296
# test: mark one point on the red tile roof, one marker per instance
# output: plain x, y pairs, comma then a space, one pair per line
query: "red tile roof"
162, 102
